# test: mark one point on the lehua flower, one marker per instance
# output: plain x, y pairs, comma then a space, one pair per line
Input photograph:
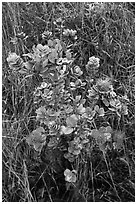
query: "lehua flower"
12, 57
70, 176
15, 62
102, 135
104, 85
93, 63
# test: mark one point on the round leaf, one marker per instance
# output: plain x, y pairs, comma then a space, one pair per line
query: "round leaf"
68, 55
66, 130
69, 109
109, 129
52, 56
101, 112
78, 97
50, 43
95, 133
76, 152
46, 49
58, 47
107, 136
37, 138
96, 108
67, 172
102, 129
72, 121
118, 138
53, 142
81, 109
70, 176
45, 62
38, 147
106, 103
40, 47
28, 65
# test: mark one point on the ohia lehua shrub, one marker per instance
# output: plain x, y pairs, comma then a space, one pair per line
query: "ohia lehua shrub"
70, 104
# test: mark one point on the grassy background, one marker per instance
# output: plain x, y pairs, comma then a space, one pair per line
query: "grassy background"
107, 32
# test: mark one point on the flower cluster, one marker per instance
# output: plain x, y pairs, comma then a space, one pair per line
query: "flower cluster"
93, 65
15, 62
96, 7
104, 85
103, 90
102, 136
118, 139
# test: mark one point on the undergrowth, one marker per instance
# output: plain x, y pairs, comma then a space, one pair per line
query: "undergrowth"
68, 101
